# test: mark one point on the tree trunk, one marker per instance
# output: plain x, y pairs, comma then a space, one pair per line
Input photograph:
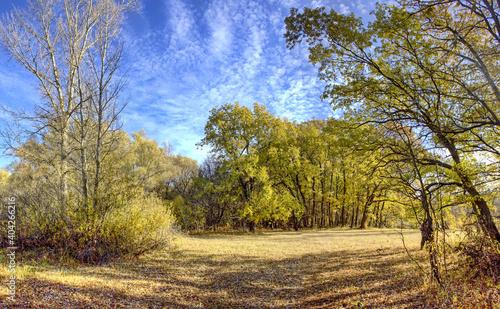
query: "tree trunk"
485, 218
379, 220
252, 226
357, 212
294, 221
342, 215
352, 218
363, 224
313, 215
323, 220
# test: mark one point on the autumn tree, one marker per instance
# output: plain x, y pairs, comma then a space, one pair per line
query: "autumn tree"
78, 175
210, 194
243, 140
73, 49
397, 71
308, 174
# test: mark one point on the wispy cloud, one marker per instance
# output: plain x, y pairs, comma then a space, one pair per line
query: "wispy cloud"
185, 57
225, 52
344, 9
361, 7
17, 87
219, 21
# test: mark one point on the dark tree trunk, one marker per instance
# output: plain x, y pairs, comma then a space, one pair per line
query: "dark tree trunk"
294, 221
252, 226
485, 218
381, 212
313, 215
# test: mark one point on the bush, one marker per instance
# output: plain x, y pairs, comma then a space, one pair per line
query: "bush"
482, 258
143, 224
132, 226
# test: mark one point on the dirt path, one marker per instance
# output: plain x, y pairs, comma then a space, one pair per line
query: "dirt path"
309, 269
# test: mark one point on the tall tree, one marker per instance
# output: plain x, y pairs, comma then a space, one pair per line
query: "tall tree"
243, 140
394, 70
70, 47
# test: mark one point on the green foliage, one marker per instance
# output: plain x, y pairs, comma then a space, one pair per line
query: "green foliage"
315, 173
188, 215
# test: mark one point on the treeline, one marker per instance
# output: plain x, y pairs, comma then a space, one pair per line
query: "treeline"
123, 216
289, 174
273, 173
263, 171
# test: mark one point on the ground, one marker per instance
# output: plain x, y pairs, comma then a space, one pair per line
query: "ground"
305, 269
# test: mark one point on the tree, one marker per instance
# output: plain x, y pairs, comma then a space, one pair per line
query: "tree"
211, 196
73, 50
309, 174
243, 141
4, 175
393, 70
80, 173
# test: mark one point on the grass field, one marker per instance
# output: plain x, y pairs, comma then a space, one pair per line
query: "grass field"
306, 269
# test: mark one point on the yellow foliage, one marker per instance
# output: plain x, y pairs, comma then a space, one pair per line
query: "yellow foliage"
144, 223
4, 175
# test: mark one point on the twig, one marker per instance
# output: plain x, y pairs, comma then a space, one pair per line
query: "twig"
408, 252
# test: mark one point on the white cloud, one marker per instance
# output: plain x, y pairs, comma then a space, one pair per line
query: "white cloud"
317, 3
344, 9
218, 19
182, 24
230, 51
184, 58
361, 7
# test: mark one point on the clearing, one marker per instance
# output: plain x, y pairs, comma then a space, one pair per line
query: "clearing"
305, 269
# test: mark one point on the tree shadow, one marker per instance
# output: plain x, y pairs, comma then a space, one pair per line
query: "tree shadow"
377, 278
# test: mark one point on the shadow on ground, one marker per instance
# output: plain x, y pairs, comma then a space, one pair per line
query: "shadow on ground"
371, 278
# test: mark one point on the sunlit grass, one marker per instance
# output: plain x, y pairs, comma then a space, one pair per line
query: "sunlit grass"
305, 269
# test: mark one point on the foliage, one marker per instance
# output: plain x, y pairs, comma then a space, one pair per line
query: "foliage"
4, 175
142, 224
400, 72
312, 174
424, 73
123, 218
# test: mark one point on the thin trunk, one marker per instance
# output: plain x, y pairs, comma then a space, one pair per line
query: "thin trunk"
323, 219
83, 160
294, 221
370, 197
301, 194
375, 215
363, 224
352, 218
64, 170
342, 214
357, 211
313, 217
381, 212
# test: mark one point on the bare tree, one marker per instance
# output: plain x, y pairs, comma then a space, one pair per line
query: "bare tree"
73, 49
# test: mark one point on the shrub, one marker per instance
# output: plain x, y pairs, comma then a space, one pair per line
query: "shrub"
482, 258
143, 224
136, 222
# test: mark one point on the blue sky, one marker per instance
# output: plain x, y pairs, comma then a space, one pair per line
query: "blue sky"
185, 57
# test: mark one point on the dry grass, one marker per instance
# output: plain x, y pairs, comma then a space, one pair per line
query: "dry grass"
308, 269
